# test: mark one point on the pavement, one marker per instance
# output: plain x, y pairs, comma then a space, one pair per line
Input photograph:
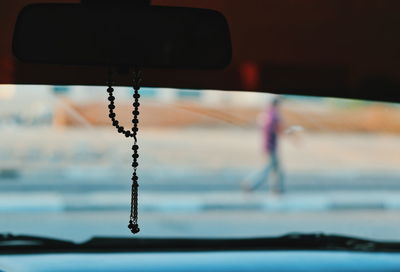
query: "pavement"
75, 183
200, 202
203, 149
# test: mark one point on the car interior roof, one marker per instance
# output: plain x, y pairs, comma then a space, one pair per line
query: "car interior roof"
328, 48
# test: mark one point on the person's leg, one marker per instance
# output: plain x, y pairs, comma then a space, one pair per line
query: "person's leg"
278, 185
280, 178
262, 176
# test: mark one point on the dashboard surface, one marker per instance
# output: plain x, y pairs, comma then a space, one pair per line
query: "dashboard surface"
204, 261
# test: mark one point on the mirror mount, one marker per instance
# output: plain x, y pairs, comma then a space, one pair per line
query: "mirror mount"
136, 3
121, 69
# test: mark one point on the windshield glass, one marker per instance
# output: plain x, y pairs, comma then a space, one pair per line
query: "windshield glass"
212, 164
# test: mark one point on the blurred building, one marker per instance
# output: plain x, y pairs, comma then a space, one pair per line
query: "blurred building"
167, 95
41, 105
85, 105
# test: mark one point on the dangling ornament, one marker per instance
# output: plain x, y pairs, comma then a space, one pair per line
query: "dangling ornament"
133, 218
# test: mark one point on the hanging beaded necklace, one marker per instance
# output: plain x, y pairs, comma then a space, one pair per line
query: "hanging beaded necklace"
133, 218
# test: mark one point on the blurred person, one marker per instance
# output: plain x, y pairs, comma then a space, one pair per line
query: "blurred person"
272, 129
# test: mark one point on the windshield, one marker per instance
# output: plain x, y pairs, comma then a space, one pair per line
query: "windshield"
212, 164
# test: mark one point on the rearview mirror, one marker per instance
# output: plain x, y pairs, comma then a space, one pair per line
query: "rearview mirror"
126, 35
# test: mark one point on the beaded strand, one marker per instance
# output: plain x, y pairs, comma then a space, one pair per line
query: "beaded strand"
133, 218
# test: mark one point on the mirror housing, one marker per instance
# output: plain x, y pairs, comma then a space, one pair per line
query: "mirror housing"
122, 35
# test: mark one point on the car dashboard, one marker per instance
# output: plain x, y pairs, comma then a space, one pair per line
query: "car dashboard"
204, 261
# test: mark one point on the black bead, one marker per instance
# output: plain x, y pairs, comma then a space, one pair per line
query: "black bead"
111, 98
111, 106
136, 104
127, 133
135, 147
134, 178
135, 112
120, 129
110, 89
135, 164
112, 115
135, 129
115, 122
134, 228
135, 121
136, 95
135, 156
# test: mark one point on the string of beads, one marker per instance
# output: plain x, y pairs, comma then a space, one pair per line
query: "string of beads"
133, 219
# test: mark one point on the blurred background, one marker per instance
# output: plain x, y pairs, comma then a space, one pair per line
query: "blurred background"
65, 171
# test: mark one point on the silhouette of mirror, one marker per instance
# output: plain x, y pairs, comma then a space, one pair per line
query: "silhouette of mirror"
122, 35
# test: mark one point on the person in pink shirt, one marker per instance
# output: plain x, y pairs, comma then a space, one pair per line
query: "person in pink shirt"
272, 127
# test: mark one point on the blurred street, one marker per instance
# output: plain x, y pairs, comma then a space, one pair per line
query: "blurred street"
65, 172
193, 160
80, 226
81, 180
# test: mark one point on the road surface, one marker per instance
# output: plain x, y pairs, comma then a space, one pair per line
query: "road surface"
40, 171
